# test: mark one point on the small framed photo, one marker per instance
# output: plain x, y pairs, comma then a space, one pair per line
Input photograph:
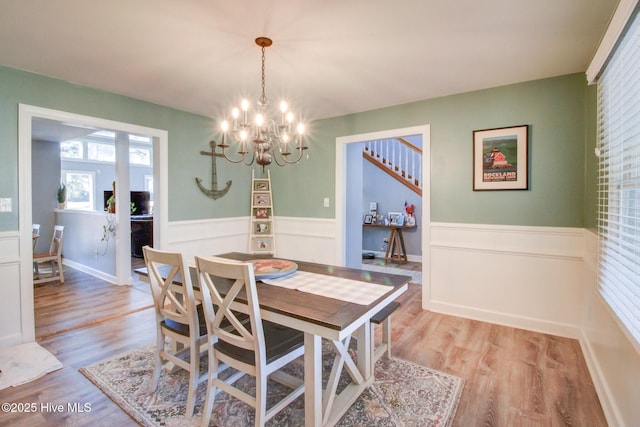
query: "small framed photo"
262, 244
394, 218
500, 158
262, 213
261, 185
261, 199
262, 227
368, 219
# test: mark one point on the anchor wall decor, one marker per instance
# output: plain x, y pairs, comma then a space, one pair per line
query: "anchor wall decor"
214, 193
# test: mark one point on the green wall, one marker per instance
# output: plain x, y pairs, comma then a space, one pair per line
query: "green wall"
591, 161
560, 112
188, 134
555, 110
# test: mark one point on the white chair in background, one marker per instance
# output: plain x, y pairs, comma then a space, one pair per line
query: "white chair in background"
35, 234
53, 257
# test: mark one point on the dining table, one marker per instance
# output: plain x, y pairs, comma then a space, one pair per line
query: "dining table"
337, 307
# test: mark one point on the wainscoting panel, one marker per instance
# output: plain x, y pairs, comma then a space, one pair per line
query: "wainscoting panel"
525, 277
11, 313
209, 237
305, 239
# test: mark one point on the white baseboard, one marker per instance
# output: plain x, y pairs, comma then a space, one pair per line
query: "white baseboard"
507, 319
609, 407
91, 271
381, 254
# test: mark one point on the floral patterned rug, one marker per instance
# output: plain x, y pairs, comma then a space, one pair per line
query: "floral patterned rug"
403, 394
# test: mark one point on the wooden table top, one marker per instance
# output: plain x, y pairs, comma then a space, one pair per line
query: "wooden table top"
323, 311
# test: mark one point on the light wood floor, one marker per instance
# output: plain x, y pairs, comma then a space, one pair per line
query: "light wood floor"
513, 377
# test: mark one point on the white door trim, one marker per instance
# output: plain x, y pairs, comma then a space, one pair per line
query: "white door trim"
341, 185
26, 114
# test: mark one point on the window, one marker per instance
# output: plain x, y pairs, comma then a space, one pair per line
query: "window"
80, 189
72, 150
101, 152
619, 181
139, 156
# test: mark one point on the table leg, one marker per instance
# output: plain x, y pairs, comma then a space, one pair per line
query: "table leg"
388, 255
402, 255
312, 380
397, 248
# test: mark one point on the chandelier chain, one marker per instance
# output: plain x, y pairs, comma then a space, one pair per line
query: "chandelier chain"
264, 96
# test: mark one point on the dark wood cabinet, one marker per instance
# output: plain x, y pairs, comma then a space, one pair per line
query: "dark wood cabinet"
141, 234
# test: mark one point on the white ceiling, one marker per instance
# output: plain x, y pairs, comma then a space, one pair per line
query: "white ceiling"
329, 58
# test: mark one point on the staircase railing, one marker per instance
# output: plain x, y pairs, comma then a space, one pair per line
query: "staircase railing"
398, 158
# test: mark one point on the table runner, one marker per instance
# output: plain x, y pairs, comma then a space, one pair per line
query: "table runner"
353, 291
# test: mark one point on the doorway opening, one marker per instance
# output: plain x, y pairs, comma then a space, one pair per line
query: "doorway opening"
349, 184
122, 241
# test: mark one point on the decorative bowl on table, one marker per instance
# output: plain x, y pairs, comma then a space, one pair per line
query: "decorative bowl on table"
273, 268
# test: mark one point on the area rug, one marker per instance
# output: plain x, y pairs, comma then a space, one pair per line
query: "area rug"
24, 363
403, 394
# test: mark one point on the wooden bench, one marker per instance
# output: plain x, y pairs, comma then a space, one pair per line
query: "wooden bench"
383, 317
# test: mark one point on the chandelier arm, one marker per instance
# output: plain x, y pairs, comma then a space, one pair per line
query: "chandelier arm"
227, 158
275, 158
296, 160
253, 157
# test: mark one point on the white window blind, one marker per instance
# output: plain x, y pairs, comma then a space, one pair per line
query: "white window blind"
619, 181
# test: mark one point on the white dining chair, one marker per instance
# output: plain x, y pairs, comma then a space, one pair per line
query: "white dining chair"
53, 258
177, 318
258, 348
35, 234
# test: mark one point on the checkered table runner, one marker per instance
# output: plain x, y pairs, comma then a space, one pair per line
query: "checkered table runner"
353, 291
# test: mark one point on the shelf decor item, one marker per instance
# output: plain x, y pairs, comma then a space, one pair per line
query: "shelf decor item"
61, 196
261, 236
500, 158
273, 268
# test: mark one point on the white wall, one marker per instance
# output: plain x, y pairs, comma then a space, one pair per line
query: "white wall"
10, 314
526, 277
613, 361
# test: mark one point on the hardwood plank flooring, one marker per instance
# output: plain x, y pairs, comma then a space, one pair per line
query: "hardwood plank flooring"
83, 300
513, 377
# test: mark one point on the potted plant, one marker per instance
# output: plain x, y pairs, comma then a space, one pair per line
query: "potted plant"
62, 196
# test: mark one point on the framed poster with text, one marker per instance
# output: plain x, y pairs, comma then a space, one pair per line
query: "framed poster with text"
500, 158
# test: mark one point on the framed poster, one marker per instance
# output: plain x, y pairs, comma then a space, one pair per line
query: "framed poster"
500, 158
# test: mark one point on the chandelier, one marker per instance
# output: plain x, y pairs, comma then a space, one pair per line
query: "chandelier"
268, 137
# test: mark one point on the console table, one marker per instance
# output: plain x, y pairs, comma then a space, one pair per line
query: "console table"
395, 249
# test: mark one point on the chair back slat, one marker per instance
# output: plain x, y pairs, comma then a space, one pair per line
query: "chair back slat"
172, 301
226, 285
56, 240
